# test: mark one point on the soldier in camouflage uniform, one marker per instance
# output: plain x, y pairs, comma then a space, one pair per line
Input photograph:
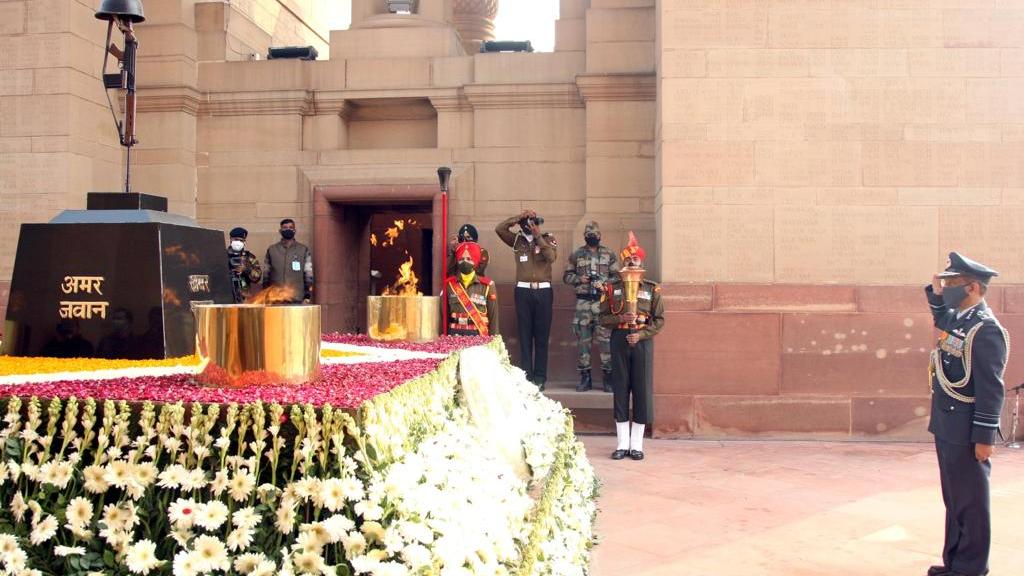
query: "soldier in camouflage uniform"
587, 271
243, 266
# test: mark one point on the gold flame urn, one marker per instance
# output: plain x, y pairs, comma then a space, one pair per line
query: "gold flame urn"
631, 280
247, 344
410, 318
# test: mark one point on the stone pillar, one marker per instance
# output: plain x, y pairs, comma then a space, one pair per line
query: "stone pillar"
474, 19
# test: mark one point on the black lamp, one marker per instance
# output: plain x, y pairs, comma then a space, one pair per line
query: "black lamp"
122, 13
444, 173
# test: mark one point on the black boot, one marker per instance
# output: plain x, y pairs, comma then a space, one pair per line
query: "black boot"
585, 382
606, 381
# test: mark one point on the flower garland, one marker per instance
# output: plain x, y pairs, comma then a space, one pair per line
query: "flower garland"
400, 482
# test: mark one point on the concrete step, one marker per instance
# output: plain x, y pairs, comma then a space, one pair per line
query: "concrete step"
591, 411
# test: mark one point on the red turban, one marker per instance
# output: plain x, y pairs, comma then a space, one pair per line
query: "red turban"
633, 249
474, 251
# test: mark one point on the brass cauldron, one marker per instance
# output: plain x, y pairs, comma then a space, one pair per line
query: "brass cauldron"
410, 318
243, 344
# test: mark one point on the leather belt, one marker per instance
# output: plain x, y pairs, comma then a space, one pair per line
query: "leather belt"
533, 285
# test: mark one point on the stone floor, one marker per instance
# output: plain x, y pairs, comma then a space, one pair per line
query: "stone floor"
706, 508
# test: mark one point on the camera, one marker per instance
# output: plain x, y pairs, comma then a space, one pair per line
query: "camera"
529, 222
234, 261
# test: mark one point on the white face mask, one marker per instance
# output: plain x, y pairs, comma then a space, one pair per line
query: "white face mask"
237, 245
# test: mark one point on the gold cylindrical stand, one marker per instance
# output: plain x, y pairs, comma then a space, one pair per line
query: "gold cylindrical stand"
410, 318
244, 344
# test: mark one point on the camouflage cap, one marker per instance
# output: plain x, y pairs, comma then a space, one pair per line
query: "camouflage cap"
591, 228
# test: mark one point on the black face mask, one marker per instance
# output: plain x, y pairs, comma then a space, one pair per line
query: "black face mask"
952, 296
466, 267
287, 234
593, 241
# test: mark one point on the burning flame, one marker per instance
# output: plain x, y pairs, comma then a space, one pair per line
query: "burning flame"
392, 233
373, 239
272, 295
407, 283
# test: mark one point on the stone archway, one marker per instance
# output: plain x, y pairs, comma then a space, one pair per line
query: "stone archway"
341, 220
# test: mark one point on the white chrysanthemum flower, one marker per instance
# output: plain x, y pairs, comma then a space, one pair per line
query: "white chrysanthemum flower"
195, 480
353, 489
8, 544
265, 568
211, 515
246, 517
239, 539
246, 563
145, 473
369, 510
172, 476
363, 564
186, 563
118, 473
241, 486
337, 525
79, 512
94, 482
56, 473
182, 536
332, 492
309, 563
182, 512
354, 543
416, 556
373, 531
219, 484
211, 553
141, 558
16, 560
43, 530
18, 507
285, 521
395, 569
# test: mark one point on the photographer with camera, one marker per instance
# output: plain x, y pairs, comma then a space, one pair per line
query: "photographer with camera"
243, 266
535, 252
587, 271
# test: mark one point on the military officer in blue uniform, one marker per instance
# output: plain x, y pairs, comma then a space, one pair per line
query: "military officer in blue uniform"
966, 372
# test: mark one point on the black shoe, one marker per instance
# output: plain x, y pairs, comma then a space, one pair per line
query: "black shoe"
619, 454
586, 384
606, 381
938, 571
636, 454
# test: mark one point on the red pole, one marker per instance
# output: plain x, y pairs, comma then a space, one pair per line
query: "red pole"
444, 262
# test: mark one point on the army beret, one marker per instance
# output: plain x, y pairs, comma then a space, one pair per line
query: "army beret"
964, 266
239, 233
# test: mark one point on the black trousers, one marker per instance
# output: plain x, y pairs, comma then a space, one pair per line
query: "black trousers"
533, 319
965, 492
633, 376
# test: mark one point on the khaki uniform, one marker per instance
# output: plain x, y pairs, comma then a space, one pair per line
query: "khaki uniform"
633, 366
483, 295
534, 296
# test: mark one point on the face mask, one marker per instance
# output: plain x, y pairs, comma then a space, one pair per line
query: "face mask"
952, 296
287, 234
593, 240
237, 245
466, 267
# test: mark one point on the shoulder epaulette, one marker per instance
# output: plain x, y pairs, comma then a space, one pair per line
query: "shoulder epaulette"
484, 280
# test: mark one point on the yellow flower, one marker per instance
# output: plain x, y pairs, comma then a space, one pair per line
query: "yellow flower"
11, 365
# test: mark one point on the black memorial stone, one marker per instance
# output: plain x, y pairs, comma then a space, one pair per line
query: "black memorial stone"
113, 283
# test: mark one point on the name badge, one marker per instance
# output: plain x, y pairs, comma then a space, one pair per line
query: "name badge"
644, 295
296, 266
524, 258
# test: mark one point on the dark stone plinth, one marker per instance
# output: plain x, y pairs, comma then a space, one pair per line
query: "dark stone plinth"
113, 289
123, 201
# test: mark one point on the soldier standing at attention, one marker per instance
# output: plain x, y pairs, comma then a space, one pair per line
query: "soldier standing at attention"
535, 252
632, 353
243, 266
472, 298
967, 398
587, 271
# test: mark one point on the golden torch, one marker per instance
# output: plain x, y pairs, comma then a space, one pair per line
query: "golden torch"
631, 280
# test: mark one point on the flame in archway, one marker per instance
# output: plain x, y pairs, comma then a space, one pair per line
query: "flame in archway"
407, 283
